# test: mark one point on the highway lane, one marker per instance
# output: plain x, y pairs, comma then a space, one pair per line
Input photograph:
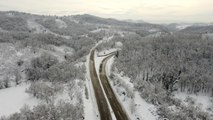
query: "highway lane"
119, 112
103, 107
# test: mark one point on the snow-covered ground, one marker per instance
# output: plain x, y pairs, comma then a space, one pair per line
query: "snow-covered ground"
61, 23
153, 30
90, 111
142, 109
99, 59
98, 30
182, 26
73, 19
14, 98
201, 100
90, 105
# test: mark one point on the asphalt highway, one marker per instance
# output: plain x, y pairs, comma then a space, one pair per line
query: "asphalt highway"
103, 107
119, 112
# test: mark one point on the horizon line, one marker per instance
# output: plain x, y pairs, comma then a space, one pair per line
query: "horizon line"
126, 20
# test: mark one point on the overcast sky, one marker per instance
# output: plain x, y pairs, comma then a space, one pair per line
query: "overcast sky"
158, 11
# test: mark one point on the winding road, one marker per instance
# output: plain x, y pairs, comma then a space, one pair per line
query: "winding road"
103, 107
119, 112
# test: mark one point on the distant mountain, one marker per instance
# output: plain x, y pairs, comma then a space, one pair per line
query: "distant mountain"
71, 25
198, 29
90, 19
135, 21
181, 26
177, 26
98, 20
86, 18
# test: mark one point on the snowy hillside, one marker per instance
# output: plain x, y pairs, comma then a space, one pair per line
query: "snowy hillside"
87, 67
14, 98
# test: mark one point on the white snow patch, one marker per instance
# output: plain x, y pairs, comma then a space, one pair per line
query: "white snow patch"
98, 61
79, 64
201, 100
180, 27
73, 20
121, 33
97, 30
14, 98
143, 109
64, 96
61, 23
153, 30
118, 44
90, 105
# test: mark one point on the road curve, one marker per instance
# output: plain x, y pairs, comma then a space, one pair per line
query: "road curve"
119, 112
99, 94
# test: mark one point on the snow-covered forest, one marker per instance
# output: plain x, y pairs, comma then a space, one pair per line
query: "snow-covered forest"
173, 70
160, 72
